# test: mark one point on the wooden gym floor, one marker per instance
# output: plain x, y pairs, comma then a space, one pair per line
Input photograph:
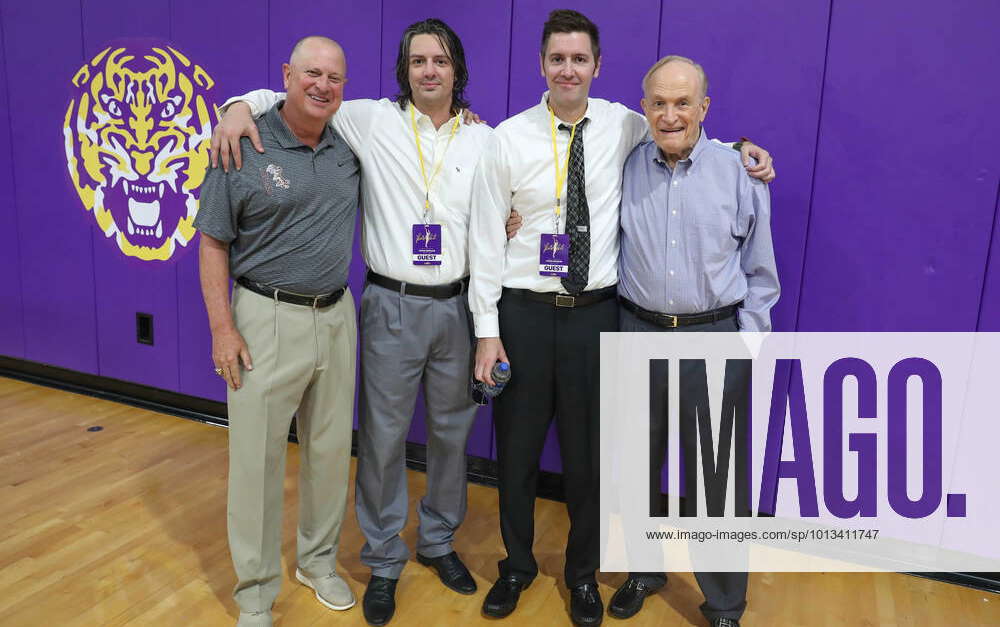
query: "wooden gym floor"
127, 526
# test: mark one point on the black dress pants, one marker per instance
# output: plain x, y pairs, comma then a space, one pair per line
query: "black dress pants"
725, 592
555, 367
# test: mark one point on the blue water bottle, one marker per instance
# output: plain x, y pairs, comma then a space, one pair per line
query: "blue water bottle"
483, 392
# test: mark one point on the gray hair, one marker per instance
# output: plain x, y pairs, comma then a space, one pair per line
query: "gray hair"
675, 57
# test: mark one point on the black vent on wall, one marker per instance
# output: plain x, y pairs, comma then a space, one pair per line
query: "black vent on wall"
144, 328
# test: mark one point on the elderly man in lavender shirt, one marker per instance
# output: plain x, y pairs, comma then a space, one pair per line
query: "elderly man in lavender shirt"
696, 255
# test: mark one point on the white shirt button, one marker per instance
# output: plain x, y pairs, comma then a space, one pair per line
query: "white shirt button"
671, 273
670, 302
675, 183
673, 242
674, 212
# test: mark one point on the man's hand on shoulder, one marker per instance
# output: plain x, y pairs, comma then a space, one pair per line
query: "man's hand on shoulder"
235, 123
764, 169
471, 117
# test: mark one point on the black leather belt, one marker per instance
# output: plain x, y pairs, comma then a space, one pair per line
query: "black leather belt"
564, 300
318, 302
671, 321
414, 289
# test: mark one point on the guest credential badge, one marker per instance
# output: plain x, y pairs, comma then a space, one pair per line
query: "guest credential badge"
553, 256
427, 244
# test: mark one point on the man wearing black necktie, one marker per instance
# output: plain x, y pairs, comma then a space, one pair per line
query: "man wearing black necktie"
577, 212
549, 293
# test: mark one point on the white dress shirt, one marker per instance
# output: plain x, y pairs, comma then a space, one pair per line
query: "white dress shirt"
392, 187
517, 171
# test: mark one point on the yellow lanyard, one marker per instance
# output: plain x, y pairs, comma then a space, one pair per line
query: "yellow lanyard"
560, 176
420, 156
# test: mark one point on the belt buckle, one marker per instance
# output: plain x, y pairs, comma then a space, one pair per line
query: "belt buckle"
565, 300
671, 321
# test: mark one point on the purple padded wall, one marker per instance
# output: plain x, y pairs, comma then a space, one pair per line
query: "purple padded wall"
235, 67
124, 286
54, 231
484, 37
756, 55
11, 319
885, 210
354, 25
989, 312
906, 179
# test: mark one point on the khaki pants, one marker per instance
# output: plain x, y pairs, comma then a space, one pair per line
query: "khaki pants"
304, 362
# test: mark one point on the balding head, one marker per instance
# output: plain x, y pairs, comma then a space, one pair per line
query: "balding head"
675, 103
310, 42
675, 59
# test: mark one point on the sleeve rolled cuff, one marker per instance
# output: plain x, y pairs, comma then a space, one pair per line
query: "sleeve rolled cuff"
254, 113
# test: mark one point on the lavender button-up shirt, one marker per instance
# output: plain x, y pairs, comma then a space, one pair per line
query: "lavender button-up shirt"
697, 237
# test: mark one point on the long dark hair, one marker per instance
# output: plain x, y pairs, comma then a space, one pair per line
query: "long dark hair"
452, 46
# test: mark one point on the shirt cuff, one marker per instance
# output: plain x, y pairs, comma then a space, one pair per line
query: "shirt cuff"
752, 321
253, 109
487, 325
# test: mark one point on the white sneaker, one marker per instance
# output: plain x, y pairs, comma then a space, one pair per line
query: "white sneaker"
255, 619
331, 590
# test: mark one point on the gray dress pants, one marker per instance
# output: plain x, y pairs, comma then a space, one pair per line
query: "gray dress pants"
408, 343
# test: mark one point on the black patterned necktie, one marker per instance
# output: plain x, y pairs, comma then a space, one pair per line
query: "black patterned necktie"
577, 215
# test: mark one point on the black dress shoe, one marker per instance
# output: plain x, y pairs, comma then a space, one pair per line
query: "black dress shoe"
585, 607
628, 599
725, 622
452, 572
379, 603
502, 597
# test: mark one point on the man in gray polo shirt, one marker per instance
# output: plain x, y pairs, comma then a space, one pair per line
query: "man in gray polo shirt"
282, 227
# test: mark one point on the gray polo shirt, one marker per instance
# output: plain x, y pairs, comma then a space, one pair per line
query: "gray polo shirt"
289, 213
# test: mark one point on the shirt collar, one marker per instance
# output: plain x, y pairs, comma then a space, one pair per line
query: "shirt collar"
284, 135
699, 148
420, 116
588, 114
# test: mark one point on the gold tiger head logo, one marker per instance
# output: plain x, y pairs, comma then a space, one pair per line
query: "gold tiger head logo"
137, 136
